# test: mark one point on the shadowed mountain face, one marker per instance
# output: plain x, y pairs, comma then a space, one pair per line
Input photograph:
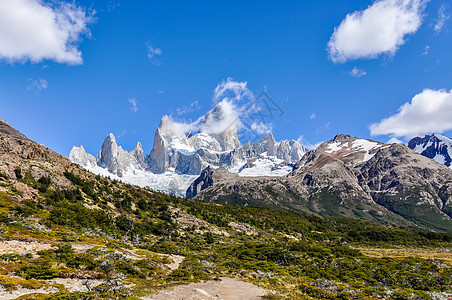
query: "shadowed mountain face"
348, 177
435, 146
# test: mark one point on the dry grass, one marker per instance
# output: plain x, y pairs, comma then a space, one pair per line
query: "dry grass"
444, 255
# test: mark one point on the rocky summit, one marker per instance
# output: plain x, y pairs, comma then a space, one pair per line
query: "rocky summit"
347, 177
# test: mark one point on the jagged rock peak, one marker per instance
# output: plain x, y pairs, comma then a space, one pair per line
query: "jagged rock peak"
435, 146
164, 127
79, 156
138, 147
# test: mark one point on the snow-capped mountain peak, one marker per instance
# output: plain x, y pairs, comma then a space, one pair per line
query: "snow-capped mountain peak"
176, 157
352, 149
435, 146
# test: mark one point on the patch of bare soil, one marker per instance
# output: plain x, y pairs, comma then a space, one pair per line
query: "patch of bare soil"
76, 285
7, 295
18, 247
226, 289
177, 260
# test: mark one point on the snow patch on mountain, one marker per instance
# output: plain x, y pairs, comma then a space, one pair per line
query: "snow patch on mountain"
264, 165
369, 148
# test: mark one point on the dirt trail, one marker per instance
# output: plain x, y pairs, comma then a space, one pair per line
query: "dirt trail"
226, 289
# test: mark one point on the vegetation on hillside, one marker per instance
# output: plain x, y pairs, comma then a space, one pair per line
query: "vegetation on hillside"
115, 233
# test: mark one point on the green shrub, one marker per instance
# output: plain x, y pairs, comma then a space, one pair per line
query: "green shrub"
39, 270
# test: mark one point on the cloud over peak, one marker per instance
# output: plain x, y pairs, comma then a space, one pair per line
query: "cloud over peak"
379, 29
233, 111
430, 111
35, 30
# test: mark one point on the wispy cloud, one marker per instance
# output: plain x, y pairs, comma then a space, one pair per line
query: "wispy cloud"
113, 4
123, 133
323, 128
313, 116
153, 53
261, 128
231, 89
426, 50
379, 29
442, 19
134, 107
358, 73
428, 111
186, 109
51, 29
37, 85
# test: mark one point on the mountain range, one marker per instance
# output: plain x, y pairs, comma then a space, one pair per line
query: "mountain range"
344, 177
348, 177
177, 158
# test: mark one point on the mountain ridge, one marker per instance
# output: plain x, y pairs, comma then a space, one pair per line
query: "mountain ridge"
351, 177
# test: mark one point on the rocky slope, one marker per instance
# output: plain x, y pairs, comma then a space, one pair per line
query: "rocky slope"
435, 146
348, 177
21, 157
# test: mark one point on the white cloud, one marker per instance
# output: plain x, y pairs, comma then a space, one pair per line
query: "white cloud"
394, 140
182, 128
34, 30
313, 116
234, 110
234, 104
153, 52
134, 103
224, 117
379, 29
428, 112
37, 85
442, 19
358, 73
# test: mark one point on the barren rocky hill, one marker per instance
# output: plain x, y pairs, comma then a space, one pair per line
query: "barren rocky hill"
19, 156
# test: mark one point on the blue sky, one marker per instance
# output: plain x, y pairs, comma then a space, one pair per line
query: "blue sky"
167, 57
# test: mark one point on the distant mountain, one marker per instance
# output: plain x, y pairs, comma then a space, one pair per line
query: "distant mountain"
177, 159
347, 177
435, 146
